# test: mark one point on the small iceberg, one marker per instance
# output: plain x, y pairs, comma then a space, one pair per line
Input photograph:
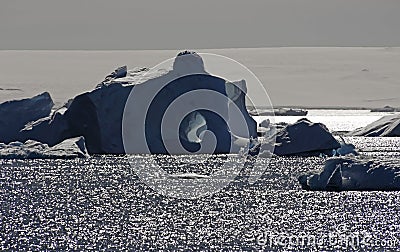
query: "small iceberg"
14, 115
265, 123
67, 149
188, 176
353, 174
344, 149
305, 138
387, 126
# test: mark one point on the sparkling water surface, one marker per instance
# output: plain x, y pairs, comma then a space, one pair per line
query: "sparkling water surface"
99, 203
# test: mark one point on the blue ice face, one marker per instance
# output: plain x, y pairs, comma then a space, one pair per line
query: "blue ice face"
191, 106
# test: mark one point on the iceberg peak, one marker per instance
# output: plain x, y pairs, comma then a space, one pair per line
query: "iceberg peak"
188, 62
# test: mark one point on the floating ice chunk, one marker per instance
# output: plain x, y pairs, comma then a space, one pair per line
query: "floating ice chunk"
70, 148
15, 114
305, 138
350, 173
265, 123
188, 176
387, 126
344, 149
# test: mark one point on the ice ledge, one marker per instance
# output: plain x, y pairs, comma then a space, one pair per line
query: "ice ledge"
67, 149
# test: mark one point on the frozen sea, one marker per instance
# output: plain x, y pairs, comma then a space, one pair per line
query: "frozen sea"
100, 204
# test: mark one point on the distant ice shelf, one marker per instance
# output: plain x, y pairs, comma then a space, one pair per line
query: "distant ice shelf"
278, 112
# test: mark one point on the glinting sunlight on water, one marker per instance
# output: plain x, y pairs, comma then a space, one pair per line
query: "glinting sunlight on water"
100, 203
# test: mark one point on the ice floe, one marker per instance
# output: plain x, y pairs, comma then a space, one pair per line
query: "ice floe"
305, 138
387, 126
351, 173
69, 148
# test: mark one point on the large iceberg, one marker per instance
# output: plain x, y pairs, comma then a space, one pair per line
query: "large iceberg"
14, 115
305, 138
350, 173
98, 115
387, 126
70, 148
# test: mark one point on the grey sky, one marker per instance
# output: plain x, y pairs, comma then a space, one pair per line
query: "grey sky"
173, 24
